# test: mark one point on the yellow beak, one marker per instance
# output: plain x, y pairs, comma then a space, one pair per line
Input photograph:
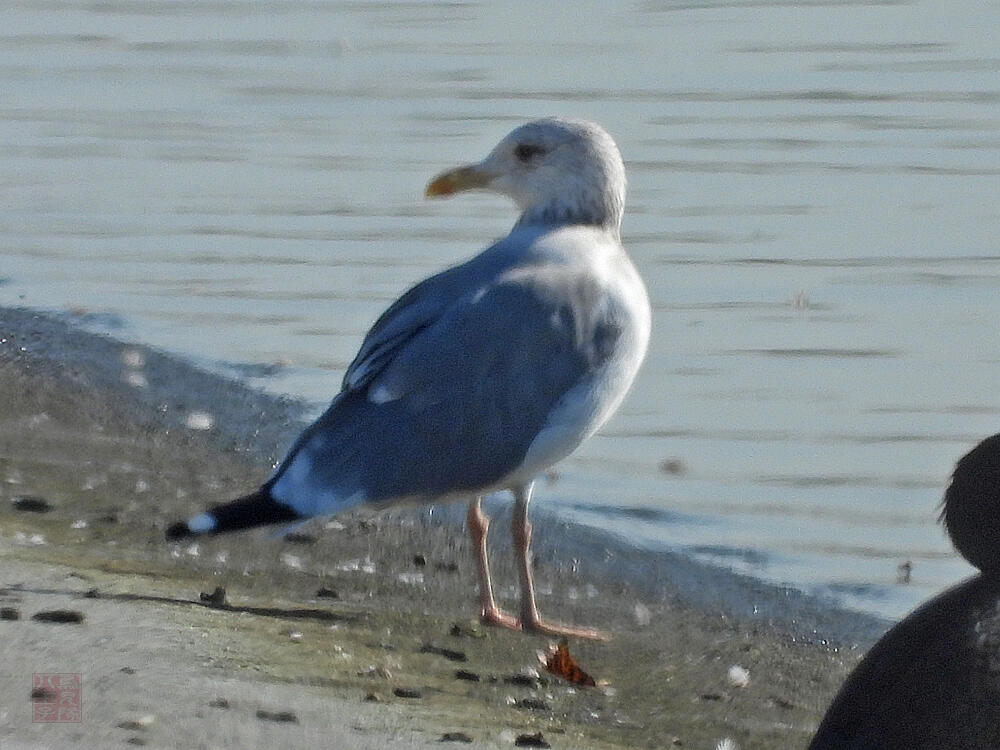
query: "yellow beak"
456, 180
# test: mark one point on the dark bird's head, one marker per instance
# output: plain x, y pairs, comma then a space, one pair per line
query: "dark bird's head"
971, 511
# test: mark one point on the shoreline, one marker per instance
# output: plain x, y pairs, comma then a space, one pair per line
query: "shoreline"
258, 426
120, 439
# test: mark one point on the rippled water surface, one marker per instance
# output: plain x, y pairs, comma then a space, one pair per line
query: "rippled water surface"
813, 202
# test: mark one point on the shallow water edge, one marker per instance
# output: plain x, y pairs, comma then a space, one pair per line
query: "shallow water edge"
166, 393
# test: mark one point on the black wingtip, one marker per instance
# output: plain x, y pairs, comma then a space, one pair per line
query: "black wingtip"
256, 509
178, 530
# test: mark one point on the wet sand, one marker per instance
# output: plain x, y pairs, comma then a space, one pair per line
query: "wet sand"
114, 441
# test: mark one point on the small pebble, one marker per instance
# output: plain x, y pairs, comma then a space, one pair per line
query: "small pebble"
279, 716
447, 653
531, 740
781, 702
92, 594
463, 674
33, 539
136, 740
327, 593
217, 597
141, 724
533, 704
219, 703
355, 566
463, 630
407, 693
58, 616
738, 676
31, 504
373, 697
127, 670
10, 613
296, 538
455, 737
526, 678
92, 482
376, 670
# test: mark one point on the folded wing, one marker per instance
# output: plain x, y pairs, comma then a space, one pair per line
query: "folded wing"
451, 388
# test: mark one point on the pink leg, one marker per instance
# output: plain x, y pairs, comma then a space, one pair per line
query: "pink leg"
478, 525
530, 619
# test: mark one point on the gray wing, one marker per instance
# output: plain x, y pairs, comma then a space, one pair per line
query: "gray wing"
417, 309
521, 341
475, 387
448, 394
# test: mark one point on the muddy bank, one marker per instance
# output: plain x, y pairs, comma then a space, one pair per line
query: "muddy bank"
114, 441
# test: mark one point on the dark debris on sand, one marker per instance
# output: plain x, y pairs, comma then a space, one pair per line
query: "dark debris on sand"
31, 504
70, 616
281, 717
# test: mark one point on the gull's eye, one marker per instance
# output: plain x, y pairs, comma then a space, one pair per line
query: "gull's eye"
525, 152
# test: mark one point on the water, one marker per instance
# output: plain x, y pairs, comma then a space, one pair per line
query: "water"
813, 203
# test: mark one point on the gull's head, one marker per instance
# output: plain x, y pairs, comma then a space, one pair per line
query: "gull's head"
558, 171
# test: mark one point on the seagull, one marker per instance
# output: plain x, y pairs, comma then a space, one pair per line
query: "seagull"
483, 376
